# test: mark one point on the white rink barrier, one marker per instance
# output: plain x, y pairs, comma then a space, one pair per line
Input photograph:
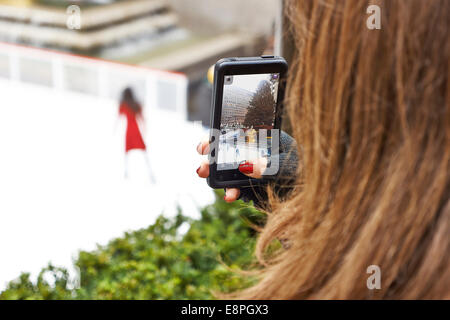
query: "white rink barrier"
156, 89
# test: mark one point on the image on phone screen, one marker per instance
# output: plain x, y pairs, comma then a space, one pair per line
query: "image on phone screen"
248, 105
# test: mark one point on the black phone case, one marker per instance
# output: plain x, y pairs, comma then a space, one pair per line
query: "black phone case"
237, 66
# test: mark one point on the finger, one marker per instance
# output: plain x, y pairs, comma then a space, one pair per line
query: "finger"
253, 168
203, 146
203, 170
231, 194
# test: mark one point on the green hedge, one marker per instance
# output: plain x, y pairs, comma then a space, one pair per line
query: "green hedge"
158, 262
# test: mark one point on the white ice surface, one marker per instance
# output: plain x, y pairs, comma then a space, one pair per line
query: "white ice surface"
62, 186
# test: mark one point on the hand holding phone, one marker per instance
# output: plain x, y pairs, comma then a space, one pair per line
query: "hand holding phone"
245, 120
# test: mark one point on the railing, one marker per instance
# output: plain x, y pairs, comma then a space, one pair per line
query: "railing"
166, 91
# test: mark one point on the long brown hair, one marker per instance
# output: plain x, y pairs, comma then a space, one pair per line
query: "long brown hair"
370, 109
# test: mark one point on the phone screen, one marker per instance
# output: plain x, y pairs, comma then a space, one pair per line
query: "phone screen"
248, 106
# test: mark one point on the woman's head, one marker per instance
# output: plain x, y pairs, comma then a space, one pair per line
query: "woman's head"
129, 99
370, 109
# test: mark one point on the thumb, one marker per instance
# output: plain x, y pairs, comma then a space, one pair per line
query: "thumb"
253, 168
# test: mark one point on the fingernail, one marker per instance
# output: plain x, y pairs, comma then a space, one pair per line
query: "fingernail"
198, 170
246, 167
198, 148
225, 197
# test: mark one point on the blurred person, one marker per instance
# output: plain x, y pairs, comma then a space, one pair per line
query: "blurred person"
370, 112
132, 111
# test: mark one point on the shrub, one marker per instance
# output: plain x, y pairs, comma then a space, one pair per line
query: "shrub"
158, 262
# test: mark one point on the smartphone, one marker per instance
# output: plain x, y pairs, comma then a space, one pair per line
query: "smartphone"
245, 116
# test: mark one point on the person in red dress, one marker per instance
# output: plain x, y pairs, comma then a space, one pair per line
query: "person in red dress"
132, 111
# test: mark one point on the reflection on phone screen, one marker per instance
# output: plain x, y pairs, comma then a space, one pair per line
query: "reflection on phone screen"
248, 115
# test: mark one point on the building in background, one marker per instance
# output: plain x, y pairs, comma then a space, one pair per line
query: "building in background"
110, 29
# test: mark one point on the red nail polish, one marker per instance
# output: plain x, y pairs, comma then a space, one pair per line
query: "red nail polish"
198, 170
246, 167
225, 197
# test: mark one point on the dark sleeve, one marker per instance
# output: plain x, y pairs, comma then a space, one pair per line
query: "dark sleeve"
287, 174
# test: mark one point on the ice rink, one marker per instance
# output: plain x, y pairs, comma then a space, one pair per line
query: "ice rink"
62, 185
